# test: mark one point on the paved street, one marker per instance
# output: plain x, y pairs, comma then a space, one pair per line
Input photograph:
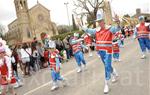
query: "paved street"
134, 76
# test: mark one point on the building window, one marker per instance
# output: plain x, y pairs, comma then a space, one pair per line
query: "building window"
25, 5
21, 5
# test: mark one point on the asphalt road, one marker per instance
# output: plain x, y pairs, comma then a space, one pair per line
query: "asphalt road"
134, 76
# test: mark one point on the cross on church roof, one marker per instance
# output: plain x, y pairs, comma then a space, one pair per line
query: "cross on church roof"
37, 1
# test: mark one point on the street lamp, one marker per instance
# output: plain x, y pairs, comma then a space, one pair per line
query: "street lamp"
66, 4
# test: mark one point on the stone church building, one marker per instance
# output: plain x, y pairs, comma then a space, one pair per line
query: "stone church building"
30, 23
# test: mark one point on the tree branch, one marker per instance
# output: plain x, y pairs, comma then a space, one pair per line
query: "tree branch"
91, 4
100, 2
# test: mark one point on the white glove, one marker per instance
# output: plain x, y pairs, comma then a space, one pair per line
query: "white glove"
81, 39
134, 37
84, 28
86, 48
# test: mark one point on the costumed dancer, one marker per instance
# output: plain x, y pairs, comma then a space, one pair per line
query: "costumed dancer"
126, 29
120, 38
116, 51
142, 33
104, 37
7, 78
131, 30
54, 65
45, 41
77, 51
88, 42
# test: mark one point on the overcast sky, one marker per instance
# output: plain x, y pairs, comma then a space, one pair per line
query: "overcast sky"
58, 9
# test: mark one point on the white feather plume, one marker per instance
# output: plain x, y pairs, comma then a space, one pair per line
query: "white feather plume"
5, 46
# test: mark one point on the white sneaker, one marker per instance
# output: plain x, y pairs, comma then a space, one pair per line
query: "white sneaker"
115, 72
113, 78
79, 70
20, 83
119, 60
143, 56
114, 60
54, 88
90, 54
106, 88
16, 85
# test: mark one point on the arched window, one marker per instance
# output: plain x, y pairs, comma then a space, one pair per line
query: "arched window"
16, 4
25, 5
21, 5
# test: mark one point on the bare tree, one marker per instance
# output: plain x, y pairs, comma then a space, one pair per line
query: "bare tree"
89, 7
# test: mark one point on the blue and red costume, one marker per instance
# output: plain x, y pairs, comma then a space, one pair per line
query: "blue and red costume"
116, 50
77, 51
88, 40
119, 37
103, 45
54, 64
142, 32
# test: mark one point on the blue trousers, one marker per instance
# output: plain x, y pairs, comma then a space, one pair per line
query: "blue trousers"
56, 76
68, 53
144, 43
116, 55
79, 57
107, 60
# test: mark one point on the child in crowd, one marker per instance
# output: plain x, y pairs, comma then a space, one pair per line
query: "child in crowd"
54, 65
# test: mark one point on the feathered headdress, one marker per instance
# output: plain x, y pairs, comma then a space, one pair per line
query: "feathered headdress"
4, 47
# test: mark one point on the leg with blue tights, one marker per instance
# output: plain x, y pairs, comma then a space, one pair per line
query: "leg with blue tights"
58, 76
108, 67
106, 58
53, 75
77, 58
101, 54
142, 44
82, 58
147, 43
54, 78
116, 55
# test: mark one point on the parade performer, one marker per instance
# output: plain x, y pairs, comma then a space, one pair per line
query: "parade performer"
54, 65
142, 33
77, 51
104, 37
116, 51
120, 38
6, 74
88, 42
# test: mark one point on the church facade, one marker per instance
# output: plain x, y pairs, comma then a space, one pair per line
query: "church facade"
30, 23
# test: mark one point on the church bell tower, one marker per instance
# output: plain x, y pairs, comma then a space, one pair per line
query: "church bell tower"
21, 7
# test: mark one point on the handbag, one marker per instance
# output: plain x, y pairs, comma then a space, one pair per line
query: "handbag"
32, 59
